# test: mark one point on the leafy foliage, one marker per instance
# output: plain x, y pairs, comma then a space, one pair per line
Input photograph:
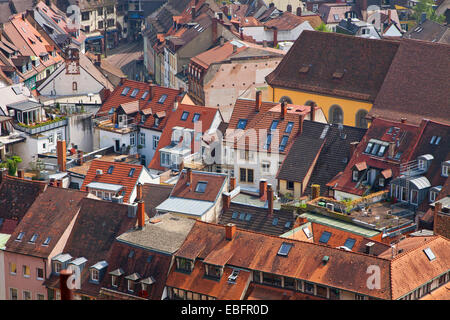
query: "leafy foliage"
11, 164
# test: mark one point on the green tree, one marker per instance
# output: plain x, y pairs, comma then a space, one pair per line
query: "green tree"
323, 27
11, 164
426, 6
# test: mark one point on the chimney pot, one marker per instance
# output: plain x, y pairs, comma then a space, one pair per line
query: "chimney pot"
403, 120
226, 202
141, 214
300, 123
283, 109
315, 191
258, 100
193, 12
262, 187
61, 155
232, 183
189, 176
21, 173
230, 230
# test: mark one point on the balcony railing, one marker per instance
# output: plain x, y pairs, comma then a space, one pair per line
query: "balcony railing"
40, 127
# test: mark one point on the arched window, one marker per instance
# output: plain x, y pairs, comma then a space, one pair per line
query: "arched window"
360, 119
336, 115
286, 98
309, 102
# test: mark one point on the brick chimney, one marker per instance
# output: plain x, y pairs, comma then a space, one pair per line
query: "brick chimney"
189, 176
214, 30
232, 184
270, 198
437, 209
21, 173
193, 13
289, 8
262, 187
66, 293
403, 120
299, 11
226, 202
151, 91
300, 124
258, 100
353, 146
283, 109
313, 111
61, 154
230, 230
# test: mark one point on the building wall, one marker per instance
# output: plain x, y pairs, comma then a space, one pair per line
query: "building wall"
297, 192
349, 107
339, 195
148, 151
2, 276
261, 34
108, 138
81, 132
226, 82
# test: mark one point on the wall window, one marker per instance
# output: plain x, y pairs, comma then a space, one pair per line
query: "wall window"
271, 279
246, 175
155, 142
12, 268
184, 264
130, 285
40, 296
26, 295
265, 167
414, 196
433, 195
309, 288
321, 291
74, 86
26, 271
445, 170
142, 139
56, 266
336, 115
12, 294
403, 194
355, 175
381, 182
94, 275
361, 121
39, 274
165, 159
114, 281
289, 283
290, 185
214, 271
133, 139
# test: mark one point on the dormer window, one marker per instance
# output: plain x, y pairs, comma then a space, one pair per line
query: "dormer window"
97, 270
355, 175
184, 265
214, 271
131, 281
114, 282
130, 285
445, 167
95, 276
57, 266
125, 91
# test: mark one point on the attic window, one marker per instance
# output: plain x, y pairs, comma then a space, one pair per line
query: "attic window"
275, 221
20, 236
33, 238
242, 216
163, 98
325, 237
284, 249
274, 124
144, 95
349, 243
430, 254
196, 117
248, 217
125, 91
242, 123
235, 215
304, 68
134, 93
47, 241
131, 254
289, 127
201, 187
130, 174
185, 115
307, 232
110, 169
283, 143
338, 74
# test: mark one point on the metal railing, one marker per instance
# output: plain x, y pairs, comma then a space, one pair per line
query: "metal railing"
42, 128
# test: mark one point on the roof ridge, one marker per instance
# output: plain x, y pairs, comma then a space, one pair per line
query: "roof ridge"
296, 240
405, 253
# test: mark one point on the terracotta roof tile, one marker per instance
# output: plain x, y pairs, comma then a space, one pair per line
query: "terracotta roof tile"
215, 184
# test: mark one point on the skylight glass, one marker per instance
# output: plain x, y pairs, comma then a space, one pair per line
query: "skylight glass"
284, 249
242, 216
144, 95
47, 241
433, 139
381, 151
369, 147
125, 91
268, 141
438, 139
20, 236
274, 124
275, 221
201, 187
242, 123
325, 237
33, 238
235, 215
283, 143
110, 169
307, 232
349, 243
375, 149
430, 254
289, 127
287, 224
185, 115
130, 174
163, 98
196, 117
248, 217
134, 93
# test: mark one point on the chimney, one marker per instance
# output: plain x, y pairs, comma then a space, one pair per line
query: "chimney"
353, 146
141, 214
52, 182
241, 33
181, 91
189, 176
262, 187
437, 209
275, 37
232, 184
258, 100
391, 149
300, 124
283, 109
193, 13
61, 154
21, 173
299, 11
214, 30
271, 5
315, 191
222, 41
114, 117
66, 293
403, 120
394, 250
312, 111
151, 91
369, 247
289, 8
226, 202
389, 16
230, 230
139, 192
80, 157
59, 183
270, 198
3, 174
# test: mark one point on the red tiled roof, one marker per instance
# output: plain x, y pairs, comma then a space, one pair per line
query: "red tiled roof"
215, 184
258, 291
207, 115
8, 226
119, 175
287, 21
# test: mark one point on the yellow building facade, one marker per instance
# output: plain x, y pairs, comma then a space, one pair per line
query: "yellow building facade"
337, 110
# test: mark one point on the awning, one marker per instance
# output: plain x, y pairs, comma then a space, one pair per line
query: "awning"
149, 280
94, 38
135, 276
117, 272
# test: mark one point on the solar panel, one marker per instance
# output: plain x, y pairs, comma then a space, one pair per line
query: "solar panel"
349, 243
284, 249
325, 237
